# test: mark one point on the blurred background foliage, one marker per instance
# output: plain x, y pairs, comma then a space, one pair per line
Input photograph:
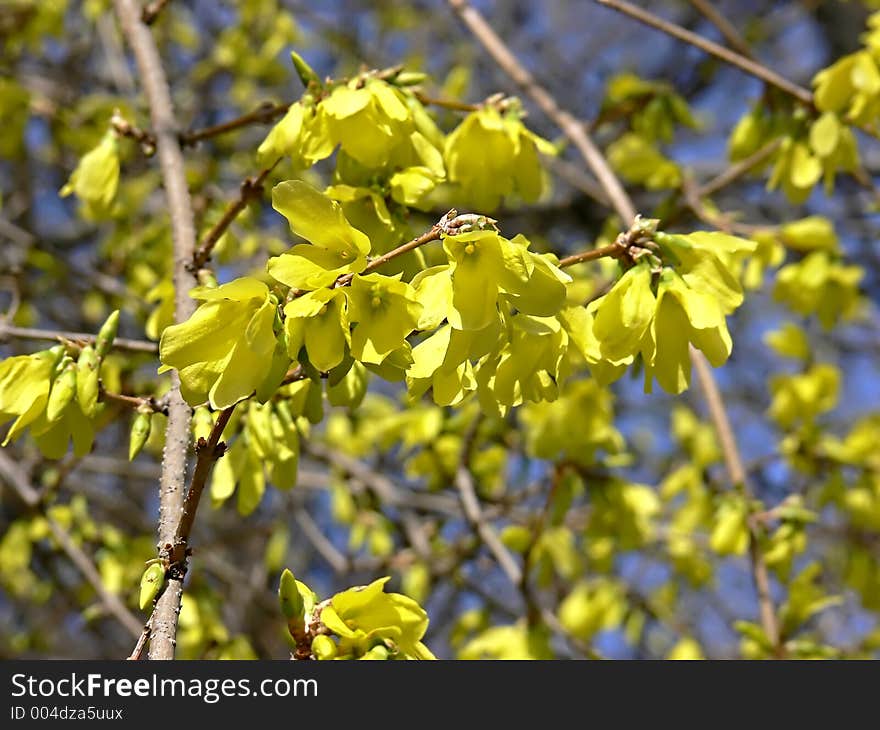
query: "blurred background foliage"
616, 501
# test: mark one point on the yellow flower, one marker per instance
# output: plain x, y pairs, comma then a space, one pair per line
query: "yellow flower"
224, 351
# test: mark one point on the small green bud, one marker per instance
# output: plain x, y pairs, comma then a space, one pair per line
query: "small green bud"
140, 432
87, 371
207, 279
202, 423
151, 583
63, 390
106, 335
289, 597
377, 653
306, 73
323, 647
277, 371
56, 354
517, 538
409, 78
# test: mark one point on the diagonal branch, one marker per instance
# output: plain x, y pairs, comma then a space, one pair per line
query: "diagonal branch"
470, 502
570, 126
251, 188
739, 480
155, 86
759, 71
725, 27
264, 114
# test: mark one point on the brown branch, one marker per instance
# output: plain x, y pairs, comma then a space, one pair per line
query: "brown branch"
16, 477
152, 11
453, 104
613, 250
739, 480
577, 178
335, 559
177, 434
571, 127
533, 607
141, 644
251, 188
207, 453
738, 169
266, 113
432, 235
133, 401
385, 489
747, 65
28, 333
470, 503
725, 27
124, 128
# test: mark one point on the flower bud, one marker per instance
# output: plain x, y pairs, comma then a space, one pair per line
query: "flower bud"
106, 335
377, 653
63, 390
87, 371
305, 72
151, 583
323, 647
289, 597
202, 423
140, 432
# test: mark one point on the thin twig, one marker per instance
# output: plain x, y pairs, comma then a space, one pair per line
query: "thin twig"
739, 480
141, 644
29, 333
207, 454
152, 11
725, 27
453, 104
738, 169
251, 188
136, 402
571, 127
612, 250
464, 483
335, 559
266, 113
751, 67
433, 234
177, 434
124, 128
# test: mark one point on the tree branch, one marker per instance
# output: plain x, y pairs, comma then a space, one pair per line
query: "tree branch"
155, 86
612, 249
141, 644
152, 10
571, 127
207, 453
738, 169
266, 113
751, 67
739, 480
470, 503
28, 333
251, 188
725, 27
